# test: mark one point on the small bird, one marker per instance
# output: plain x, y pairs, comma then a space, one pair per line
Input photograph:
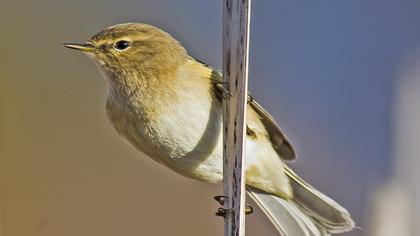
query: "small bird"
168, 105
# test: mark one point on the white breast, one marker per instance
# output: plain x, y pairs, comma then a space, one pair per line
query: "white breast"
189, 135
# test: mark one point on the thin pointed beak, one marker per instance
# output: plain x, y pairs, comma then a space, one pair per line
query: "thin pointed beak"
85, 47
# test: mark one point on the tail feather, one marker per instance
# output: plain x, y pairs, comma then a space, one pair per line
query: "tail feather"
309, 213
285, 215
325, 211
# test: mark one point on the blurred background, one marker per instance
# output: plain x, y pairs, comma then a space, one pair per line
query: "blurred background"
341, 77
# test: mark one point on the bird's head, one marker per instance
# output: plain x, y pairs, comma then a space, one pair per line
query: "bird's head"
132, 48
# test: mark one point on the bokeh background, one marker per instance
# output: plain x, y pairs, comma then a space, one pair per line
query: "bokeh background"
341, 77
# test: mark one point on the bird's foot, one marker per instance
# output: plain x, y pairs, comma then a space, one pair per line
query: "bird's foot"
220, 199
221, 87
248, 209
224, 211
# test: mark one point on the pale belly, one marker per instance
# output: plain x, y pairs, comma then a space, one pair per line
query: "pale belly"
187, 138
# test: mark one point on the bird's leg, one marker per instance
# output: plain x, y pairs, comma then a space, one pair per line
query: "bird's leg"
220, 86
224, 211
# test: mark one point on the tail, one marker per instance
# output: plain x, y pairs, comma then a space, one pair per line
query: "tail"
309, 213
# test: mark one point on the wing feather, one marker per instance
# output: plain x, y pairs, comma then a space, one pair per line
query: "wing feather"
279, 141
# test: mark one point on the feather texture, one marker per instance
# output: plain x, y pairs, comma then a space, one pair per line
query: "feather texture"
325, 211
308, 213
285, 215
168, 106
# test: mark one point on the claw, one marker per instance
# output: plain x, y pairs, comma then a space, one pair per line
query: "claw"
250, 98
222, 89
224, 211
220, 199
249, 209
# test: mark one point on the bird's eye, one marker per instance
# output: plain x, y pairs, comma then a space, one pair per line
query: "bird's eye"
121, 45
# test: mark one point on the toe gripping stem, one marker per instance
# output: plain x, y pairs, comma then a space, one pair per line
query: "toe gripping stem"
221, 211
